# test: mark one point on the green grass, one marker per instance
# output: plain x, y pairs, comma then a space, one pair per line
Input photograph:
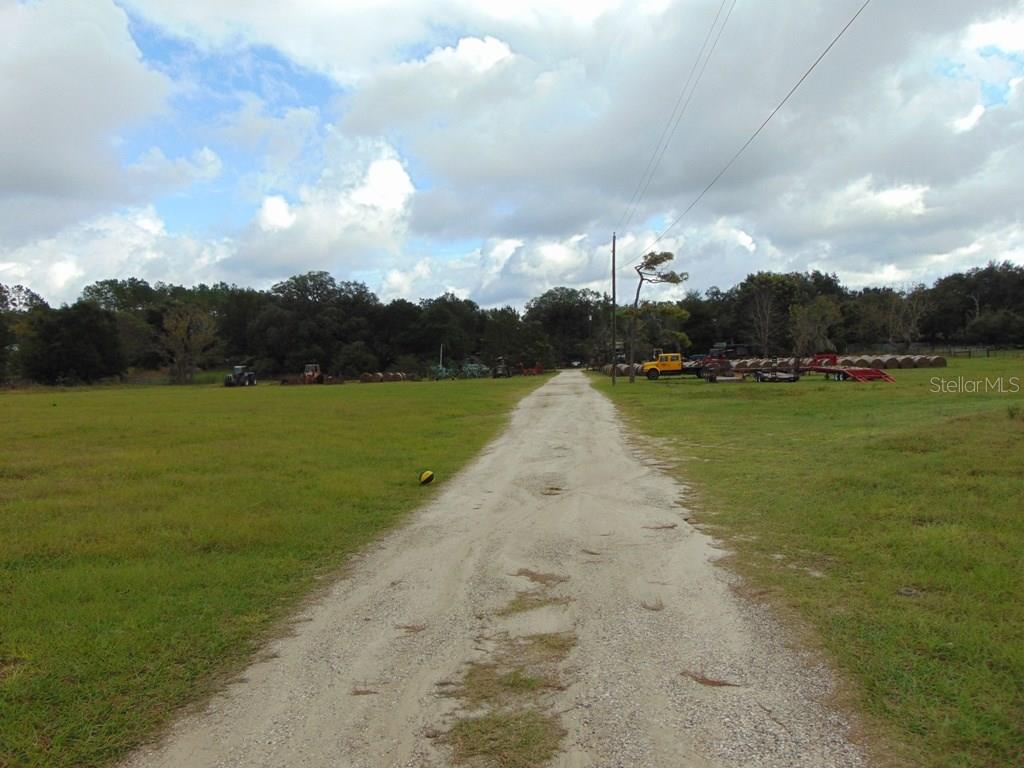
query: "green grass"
151, 537
522, 738
898, 513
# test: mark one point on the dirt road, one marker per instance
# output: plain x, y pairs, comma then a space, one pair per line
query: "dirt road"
656, 625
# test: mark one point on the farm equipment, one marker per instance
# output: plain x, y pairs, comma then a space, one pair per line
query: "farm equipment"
790, 369
474, 369
240, 377
312, 374
440, 373
501, 369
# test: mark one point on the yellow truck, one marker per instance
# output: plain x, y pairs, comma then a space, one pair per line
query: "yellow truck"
663, 364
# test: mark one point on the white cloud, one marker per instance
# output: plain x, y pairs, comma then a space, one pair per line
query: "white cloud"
525, 126
353, 217
275, 214
134, 243
280, 141
154, 170
1006, 34
970, 120
71, 78
471, 53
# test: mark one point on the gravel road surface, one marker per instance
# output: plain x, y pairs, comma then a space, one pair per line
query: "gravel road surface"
560, 491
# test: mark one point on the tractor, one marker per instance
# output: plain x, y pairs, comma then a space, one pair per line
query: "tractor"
240, 377
312, 374
501, 369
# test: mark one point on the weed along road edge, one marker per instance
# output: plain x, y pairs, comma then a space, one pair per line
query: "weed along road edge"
551, 603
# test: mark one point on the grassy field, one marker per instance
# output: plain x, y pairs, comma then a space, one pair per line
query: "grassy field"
891, 516
151, 537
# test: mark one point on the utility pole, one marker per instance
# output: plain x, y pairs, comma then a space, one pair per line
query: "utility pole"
614, 307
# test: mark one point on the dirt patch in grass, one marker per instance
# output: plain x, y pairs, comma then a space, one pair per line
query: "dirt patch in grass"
522, 738
8, 667
531, 600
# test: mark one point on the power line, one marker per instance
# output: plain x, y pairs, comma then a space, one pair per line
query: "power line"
753, 136
693, 90
652, 162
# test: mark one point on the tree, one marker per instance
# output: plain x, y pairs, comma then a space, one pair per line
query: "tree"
189, 333
354, 359
131, 295
904, 313
763, 317
69, 345
6, 342
810, 325
660, 325
567, 317
649, 271
1000, 327
18, 298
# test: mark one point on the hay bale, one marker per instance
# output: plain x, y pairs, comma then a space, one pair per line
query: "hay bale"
845, 361
938, 362
890, 362
876, 362
906, 362
922, 361
365, 378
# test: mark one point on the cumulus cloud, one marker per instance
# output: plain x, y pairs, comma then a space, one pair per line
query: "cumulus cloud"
135, 242
280, 141
72, 81
353, 217
524, 127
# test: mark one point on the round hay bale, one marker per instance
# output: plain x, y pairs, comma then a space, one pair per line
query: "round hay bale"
891, 362
876, 362
846, 361
860, 362
378, 377
938, 362
365, 378
922, 361
906, 362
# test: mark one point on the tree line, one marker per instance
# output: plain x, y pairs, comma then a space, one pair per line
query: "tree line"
119, 325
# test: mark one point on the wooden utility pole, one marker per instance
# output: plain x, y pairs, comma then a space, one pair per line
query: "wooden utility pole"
615, 306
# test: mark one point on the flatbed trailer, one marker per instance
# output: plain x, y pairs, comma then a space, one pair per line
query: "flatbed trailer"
837, 372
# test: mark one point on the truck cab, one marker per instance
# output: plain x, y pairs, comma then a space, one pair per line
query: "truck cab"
663, 364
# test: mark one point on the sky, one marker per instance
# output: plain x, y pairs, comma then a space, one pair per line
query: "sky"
491, 148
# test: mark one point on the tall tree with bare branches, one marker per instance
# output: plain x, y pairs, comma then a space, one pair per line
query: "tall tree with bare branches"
649, 270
